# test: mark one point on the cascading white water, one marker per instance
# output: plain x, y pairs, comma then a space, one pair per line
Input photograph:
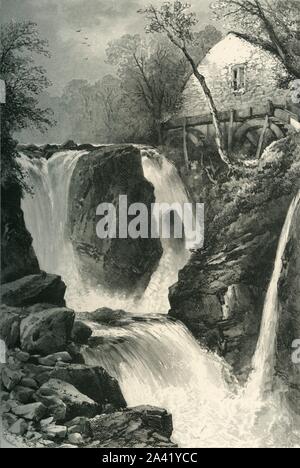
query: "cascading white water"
46, 215
156, 361
168, 188
263, 363
46, 211
160, 363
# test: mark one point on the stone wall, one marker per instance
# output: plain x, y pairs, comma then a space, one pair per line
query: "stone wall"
262, 71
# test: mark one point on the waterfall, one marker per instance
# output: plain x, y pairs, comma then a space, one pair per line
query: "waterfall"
168, 188
263, 363
46, 215
46, 211
156, 360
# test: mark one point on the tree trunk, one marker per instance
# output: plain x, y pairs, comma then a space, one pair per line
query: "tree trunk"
282, 52
213, 109
278, 52
214, 112
262, 137
185, 149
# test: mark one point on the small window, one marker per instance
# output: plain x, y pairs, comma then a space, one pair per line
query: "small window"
238, 78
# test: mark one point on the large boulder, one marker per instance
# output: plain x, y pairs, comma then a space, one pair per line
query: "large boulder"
48, 331
22, 394
53, 359
10, 319
79, 425
38, 373
107, 316
94, 382
69, 145
77, 404
102, 176
10, 378
54, 404
220, 293
32, 412
143, 426
289, 322
17, 255
34, 289
18, 428
54, 432
81, 333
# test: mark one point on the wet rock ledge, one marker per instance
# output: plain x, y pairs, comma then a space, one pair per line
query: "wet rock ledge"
49, 397
220, 293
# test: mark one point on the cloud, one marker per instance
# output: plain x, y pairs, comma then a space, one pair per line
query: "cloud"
95, 12
100, 21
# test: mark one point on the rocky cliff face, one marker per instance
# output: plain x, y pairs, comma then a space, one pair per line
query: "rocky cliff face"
17, 256
102, 176
220, 293
49, 397
289, 324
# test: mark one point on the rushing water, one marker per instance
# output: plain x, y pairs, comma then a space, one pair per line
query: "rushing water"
156, 360
261, 379
168, 189
46, 216
46, 213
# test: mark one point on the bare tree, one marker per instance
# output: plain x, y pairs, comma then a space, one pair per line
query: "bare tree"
108, 92
152, 74
272, 24
177, 23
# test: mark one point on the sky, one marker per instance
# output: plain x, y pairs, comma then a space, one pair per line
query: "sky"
100, 21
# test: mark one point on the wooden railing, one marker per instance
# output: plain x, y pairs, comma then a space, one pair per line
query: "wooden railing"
279, 114
280, 111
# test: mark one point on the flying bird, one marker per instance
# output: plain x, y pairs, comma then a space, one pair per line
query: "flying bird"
79, 30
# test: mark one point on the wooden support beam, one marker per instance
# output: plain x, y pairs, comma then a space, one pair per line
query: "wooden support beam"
262, 137
230, 130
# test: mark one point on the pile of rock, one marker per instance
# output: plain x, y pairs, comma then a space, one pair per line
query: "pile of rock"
49, 396
47, 151
140, 427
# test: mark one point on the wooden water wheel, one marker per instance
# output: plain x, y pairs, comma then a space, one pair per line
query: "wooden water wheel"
253, 136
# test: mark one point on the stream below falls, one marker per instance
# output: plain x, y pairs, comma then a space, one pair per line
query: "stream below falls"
156, 360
